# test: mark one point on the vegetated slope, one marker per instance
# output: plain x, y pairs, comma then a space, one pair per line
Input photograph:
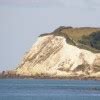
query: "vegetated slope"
65, 52
83, 37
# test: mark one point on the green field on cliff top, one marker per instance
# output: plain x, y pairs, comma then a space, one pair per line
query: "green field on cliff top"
84, 37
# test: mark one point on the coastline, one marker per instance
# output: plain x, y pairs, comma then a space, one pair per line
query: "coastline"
49, 77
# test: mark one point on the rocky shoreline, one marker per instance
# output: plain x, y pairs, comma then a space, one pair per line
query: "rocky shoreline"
13, 75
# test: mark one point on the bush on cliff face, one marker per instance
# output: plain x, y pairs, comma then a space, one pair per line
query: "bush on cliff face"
93, 40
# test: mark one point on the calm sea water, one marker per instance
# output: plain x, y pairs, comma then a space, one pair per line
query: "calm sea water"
40, 89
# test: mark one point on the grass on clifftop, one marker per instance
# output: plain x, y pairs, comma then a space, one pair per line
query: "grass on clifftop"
84, 37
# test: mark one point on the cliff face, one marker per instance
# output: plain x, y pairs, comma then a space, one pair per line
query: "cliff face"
65, 52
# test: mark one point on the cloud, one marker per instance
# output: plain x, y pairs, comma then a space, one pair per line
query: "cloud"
89, 4
67, 4
92, 4
33, 3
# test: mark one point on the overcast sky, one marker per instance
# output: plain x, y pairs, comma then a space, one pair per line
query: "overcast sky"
21, 21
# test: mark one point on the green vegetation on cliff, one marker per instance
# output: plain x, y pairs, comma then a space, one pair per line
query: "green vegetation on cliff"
83, 37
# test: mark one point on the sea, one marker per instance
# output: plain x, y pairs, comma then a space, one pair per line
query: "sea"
49, 89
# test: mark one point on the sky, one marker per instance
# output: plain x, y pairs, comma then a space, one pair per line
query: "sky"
22, 21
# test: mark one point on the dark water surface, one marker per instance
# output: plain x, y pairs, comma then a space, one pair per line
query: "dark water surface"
41, 89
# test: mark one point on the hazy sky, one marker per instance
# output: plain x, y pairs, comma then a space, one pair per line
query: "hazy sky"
21, 21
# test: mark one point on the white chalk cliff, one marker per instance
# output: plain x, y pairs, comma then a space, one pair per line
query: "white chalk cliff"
53, 56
